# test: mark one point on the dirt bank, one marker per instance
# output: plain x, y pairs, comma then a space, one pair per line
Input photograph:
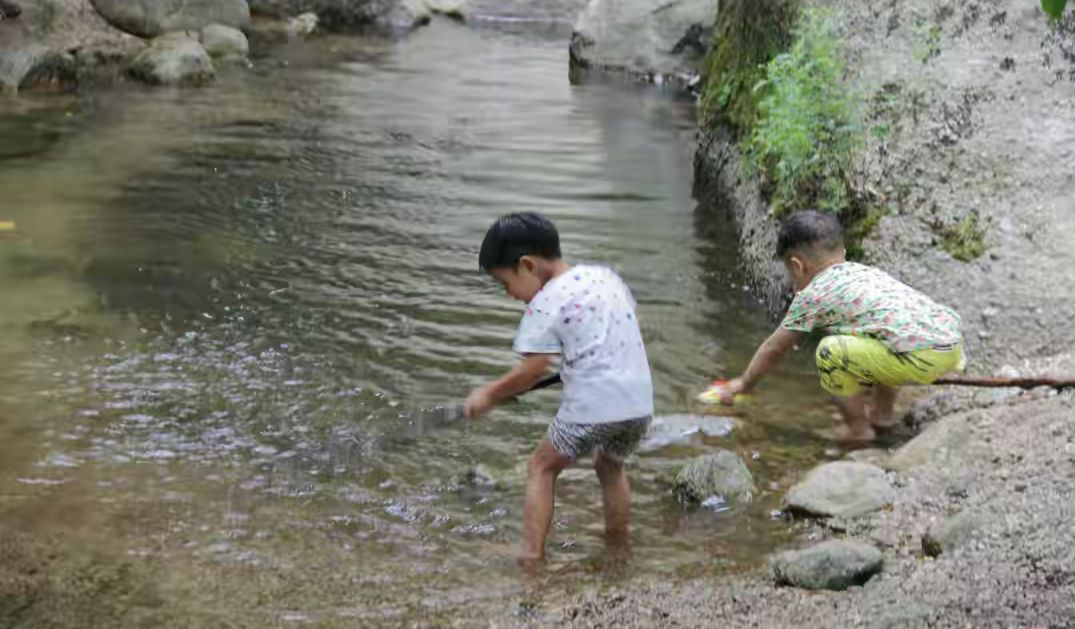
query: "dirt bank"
970, 123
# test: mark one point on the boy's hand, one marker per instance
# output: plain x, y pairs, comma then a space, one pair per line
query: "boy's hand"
733, 387
478, 403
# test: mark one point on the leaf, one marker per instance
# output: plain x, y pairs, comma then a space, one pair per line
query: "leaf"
1054, 8
7, 226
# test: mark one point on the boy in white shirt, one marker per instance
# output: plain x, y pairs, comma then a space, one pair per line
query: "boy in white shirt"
585, 315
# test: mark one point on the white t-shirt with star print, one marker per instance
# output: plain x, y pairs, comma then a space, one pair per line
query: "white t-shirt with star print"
587, 315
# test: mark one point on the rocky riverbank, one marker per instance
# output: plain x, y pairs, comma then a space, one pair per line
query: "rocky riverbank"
63, 44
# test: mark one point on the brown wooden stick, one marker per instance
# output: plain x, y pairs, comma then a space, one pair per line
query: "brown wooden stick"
1000, 382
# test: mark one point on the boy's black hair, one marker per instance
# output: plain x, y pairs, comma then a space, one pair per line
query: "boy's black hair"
809, 230
513, 236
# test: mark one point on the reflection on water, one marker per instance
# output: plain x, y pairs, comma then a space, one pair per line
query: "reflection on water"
225, 308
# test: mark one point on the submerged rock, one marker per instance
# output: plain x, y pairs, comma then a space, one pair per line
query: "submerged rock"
173, 60
841, 489
645, 37
478, 477
722, 474
950, 534
224, 42
150, 18
831, 565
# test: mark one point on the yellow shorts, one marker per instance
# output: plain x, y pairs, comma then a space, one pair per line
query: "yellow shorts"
846, 363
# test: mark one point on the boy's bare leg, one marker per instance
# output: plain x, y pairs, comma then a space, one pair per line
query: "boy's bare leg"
884, 405
854, 412
546, 463
616, 496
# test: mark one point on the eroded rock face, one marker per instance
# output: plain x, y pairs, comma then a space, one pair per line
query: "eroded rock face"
645, 37
832, 565
173, 60
841, 489
150, 18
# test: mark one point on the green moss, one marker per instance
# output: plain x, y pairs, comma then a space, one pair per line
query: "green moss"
965, 240
748, 34
858, 227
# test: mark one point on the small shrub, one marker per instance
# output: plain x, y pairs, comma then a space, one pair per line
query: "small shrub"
810, 121
965, 240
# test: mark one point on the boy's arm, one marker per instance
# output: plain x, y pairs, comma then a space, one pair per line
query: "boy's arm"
521, 377
765, 360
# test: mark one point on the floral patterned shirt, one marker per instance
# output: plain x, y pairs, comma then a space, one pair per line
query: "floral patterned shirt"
858, 300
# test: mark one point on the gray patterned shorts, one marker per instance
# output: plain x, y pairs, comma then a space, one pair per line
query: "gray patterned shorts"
616, 439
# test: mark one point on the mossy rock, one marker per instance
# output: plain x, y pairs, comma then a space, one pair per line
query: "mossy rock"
721, 474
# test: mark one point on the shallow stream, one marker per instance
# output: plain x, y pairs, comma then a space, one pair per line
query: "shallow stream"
224, 308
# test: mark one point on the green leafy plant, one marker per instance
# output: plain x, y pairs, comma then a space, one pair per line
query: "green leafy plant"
1054, 8
809, 121
964, 240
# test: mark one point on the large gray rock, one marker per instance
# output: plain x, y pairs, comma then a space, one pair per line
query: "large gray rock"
722, 474
951, 533
643, 36
149, 18
56, 44
832, 565
841, 489
330, 13
173, 60
224, 42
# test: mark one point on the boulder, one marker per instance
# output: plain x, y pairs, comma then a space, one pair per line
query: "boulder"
302, 25
224, 42
721, 474
455, 9
841, 489
58, 44
173, 60
645, 37
831, 565
950, 534
330, 13
150, 18
9, 10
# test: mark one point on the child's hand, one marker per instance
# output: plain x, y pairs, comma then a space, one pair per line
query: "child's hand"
724, 392
732, 388
478, 403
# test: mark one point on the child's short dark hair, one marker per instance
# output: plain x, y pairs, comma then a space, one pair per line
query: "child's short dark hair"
809, 230
513, 236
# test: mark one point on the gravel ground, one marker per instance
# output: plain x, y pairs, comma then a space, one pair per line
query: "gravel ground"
1011, 471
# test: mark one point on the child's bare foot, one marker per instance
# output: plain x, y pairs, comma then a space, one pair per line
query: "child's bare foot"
882, 408
530, 564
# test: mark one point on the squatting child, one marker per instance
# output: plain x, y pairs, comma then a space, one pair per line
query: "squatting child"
585, 316
881, 334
